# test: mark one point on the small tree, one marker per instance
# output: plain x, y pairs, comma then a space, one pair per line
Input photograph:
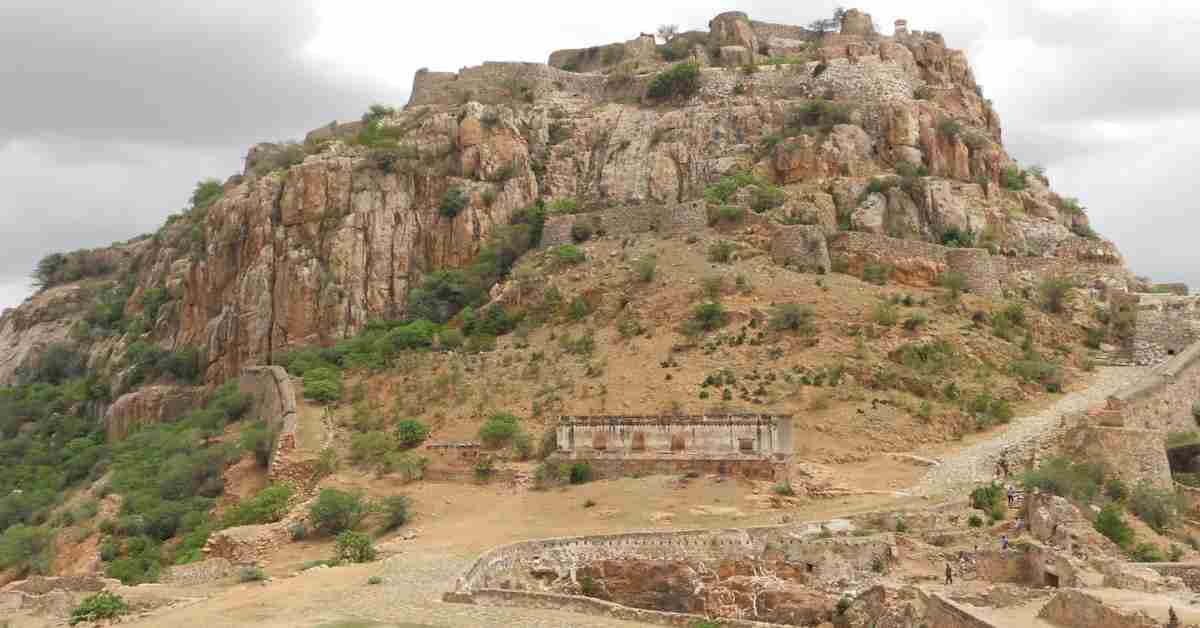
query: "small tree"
1056, 294
681, 81
793, 317
354, 548
667, 32
499, 430
410, 433
954, 283
336, 511
1111, 524
97, 607
453, 201
395, 510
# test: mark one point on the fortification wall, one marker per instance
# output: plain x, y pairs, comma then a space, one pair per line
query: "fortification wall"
591, 606
946, 614
751, 436
491, 82
671, 220
1077, 609
1188, 572
274, 402
1162, 400
801, 247
642, 48
1133, 455
913, 262
976, 265
1166, 326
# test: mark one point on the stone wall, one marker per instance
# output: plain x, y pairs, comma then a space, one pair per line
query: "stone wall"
976, 266
1130, 454
488, 83
1166, 326
621, 221
1076, 609
274, 402
943, 613
590, 606
642, 49
913, 262
800, 247
1162, 400
1188, 572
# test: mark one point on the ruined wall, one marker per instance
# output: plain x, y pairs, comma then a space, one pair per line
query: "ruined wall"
1166, 326
643, 49
742, 435
801, 247
1188, 572
976, 266
274, 401
1076, 609
914, 262
489, 83
671, 220
943, 613
1129, 454
1162, 400
590, 606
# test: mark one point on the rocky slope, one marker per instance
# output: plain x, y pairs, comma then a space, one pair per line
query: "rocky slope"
300, 253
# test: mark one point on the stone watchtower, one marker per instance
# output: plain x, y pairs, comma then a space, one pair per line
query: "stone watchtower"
857, 23
901, 28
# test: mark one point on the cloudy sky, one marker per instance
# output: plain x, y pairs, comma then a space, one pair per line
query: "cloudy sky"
111, 111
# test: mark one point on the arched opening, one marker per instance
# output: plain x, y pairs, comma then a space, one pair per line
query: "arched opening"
639, 442
678, 444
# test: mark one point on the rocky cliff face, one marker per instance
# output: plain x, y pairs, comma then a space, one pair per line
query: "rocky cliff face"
311, 252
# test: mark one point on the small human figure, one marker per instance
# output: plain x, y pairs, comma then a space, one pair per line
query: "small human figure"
1172, 618
1020, 525
1004, 542
949, 575
1011, 497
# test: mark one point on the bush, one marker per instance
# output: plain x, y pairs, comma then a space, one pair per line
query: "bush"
1013, 178
729, 213
766, 197
252, 574
1147, 553
375, 580
932, 358
721, 252
581, 232
784, 489
453, 201
987, 498
1006, 321
681, 81
1116, 490
337, 511
1159, 508
646, 267
954, 283
23, 546
1196, 412
1112, 525
395, 511
916, 321
578, 310
352, 547
323, 385
877, 274
949, 127
258, 439
975, 521
268, 506
411, 432
568, 255
579, 473
885, 314
97, 607
1056, 294
371, 447
1060, 476
1039, 371
499, 430
793, 317
708, 316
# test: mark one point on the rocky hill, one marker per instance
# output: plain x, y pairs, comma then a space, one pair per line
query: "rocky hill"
823, 226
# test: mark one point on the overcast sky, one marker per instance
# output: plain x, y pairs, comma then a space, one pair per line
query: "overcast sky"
111, 111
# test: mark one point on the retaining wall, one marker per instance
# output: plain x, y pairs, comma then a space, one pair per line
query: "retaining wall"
1162, 400
1129, 454
274, 401
671, 220
1166, 326
1188, 572
943, 613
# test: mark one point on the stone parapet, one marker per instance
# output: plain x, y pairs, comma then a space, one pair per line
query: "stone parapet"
976, 266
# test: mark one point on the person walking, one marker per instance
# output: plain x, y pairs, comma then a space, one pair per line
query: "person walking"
1004, 542
949, 575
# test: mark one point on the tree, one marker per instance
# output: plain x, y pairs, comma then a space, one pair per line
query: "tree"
832, 24
206, 193
667, 32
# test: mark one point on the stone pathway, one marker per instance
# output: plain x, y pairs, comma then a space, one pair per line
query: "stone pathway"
976, 463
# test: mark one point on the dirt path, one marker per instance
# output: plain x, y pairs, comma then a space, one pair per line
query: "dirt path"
976, 463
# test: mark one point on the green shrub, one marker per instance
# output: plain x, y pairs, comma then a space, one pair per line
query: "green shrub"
1116, 490
949, 127
721, 252
766, 197
975, 521
986, 498
24, 546
579, 473
708, 316
1196, 412
336, 511
268, 506
352, 547
784, 489
1158, 508
793, 317
1060, 476
568, 255
681, 81
396, 512
1036, 370
258, 439
578, 310
373, 580
371, 447
916, 321
908, 170
1013, 178
954, 283
251, 574
646, 267
711, 287
1146, 553
499, 430
453, 201
932, 358
98, 607
1056, 294
877, 274
1112, 525
581, 232
885, 314
410, 433
323, 385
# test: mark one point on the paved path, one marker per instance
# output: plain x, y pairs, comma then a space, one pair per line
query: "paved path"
977, 462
